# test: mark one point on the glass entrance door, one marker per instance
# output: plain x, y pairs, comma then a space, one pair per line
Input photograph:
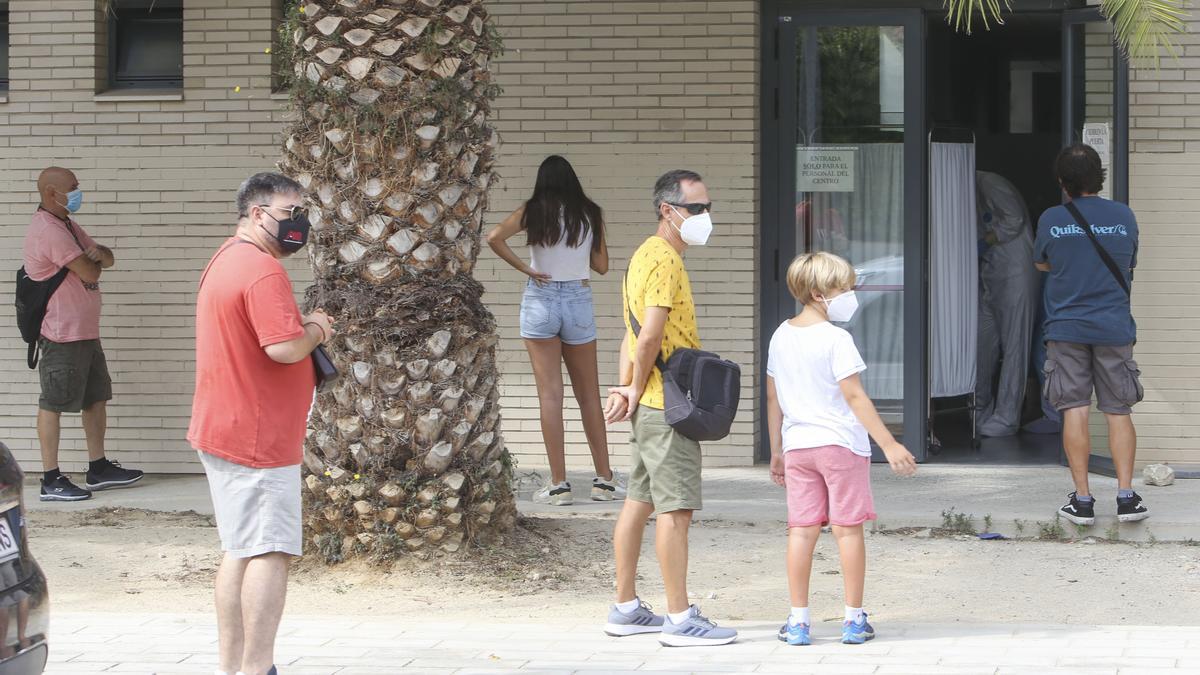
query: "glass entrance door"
851, 171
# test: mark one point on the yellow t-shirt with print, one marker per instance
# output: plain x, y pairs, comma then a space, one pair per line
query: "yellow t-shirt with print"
657, 278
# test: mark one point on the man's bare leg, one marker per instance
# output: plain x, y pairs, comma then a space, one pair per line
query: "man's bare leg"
264, 591
229, 612
49, 429
95, 426
627, 545
1077, 443
671, 542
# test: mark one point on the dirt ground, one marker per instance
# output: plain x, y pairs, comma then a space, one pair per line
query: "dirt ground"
138, 561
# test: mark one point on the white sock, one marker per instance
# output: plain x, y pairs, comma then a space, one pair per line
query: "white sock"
854, 614
799, 616
629, 607
679, 617
220, 672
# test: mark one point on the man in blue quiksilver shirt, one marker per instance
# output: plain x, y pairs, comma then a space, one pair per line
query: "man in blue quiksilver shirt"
1089, 329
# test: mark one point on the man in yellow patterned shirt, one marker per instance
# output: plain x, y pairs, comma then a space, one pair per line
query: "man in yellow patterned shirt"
660, 318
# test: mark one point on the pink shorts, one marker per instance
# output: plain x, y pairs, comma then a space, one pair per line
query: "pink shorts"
828, 485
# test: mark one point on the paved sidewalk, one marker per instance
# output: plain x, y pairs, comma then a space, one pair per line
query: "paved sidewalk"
1006, 493
168, 644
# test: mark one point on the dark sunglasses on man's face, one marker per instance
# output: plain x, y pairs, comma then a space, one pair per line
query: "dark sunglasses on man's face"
694, 209
294, 212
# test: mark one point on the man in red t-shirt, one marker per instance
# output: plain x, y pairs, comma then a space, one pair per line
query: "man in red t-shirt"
254, 388
73, 371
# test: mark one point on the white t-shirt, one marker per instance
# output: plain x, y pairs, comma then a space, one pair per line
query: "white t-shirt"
807, 364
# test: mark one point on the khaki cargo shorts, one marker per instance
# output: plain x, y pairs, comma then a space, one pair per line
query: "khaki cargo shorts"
666, 465
1074, 370
74, 375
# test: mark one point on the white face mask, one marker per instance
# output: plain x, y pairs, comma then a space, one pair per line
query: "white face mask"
842, 308
695, 230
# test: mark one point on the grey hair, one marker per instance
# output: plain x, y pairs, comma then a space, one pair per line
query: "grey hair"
668, 188
261, 187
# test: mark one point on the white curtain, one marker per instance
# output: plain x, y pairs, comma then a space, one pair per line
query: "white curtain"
953, 270
866, 226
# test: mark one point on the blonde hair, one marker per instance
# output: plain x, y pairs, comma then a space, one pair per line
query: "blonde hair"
818, 273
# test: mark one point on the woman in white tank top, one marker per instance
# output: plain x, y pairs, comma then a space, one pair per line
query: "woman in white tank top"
565, 234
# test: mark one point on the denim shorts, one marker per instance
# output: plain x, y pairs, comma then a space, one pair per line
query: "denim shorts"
559, 309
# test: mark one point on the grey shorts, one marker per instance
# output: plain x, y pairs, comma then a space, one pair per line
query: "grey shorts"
559, 309
258, 510
74, 375
666, 464
1074, 370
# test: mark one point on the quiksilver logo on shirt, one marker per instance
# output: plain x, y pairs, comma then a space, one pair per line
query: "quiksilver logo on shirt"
1074, 230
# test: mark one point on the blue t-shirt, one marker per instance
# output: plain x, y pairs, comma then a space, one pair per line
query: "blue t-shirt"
1084, 303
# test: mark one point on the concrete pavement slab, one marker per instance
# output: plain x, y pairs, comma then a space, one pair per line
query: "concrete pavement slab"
1016, 498
902, 650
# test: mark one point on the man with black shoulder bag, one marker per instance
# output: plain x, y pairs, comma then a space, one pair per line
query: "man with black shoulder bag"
665, 476
256, 369
1089, 247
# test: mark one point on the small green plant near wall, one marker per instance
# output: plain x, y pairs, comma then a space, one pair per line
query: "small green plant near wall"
1052, 530
958, 522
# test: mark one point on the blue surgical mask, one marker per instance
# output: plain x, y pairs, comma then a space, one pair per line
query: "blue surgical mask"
74, 200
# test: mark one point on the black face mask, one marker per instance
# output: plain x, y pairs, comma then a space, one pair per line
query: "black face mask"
293, 232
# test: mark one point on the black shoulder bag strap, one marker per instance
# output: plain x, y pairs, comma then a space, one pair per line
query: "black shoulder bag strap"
1100, 250
637, 327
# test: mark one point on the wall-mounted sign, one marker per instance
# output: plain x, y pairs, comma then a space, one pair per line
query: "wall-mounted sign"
1099, 136
825, 168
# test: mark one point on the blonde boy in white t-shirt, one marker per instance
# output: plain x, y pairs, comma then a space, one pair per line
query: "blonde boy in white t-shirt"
819, 417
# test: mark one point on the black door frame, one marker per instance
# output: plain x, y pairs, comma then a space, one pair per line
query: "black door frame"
777, 241
1071, 97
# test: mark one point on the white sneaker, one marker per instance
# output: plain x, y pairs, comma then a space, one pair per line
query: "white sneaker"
608, 490
555, 495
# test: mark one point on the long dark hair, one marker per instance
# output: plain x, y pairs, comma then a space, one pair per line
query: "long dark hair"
559, 208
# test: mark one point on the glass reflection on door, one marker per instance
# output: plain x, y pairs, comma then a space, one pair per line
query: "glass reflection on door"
849, 193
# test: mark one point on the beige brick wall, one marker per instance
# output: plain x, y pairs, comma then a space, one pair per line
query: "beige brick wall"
159, 179
602, 82
1164, 172
626, 90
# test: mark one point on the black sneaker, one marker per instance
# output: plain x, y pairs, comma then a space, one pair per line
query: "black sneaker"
61, 489
112, 476
1078, 512
1131, 509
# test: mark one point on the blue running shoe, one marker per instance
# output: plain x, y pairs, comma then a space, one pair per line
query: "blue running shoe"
697, 631
795, 634
640, 620
854, 633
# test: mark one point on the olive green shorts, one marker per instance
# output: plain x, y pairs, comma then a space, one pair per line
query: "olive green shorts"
74, 375
666, 465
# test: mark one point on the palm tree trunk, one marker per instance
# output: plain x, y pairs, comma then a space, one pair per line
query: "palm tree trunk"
389, 136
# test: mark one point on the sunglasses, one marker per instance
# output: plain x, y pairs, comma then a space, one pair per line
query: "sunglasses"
294, 212
694, 209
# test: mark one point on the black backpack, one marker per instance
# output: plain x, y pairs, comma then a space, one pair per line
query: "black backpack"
700, 390
33, 297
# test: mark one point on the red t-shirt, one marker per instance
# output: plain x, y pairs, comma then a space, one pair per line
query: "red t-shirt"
248, 409
74, 310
